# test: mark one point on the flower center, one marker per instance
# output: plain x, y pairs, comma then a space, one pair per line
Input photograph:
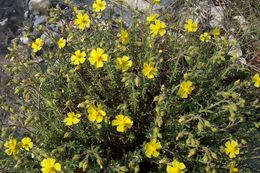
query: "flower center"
52, 169
79, 57
124, 63
99, 58
185, 89
232, 149
84, 21
100, 5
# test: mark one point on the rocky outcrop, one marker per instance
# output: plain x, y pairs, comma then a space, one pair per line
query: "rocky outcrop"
39, 5
140, 5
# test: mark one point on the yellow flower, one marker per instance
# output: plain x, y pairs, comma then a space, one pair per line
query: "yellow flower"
216, 32
151, 148
12, 147
152, 17
37, 45
49, 166
99, 5
82, 21
231, 148
123, 63
122, 122
124, 36
78, 58
96, 114
97, 57
232, 168
158, 27
149, 70
176, 167
185, 89
61, 43
156, 1
27, 143
205, 37
191, 26
72, 119
256, 80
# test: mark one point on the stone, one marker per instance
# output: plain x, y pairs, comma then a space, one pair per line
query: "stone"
4, 22
47, 38
242, 60
217, 15
242, 22
35, 13
26, 15
39, 5
141, 5
24, 40
55, 27
235, 50
39, 20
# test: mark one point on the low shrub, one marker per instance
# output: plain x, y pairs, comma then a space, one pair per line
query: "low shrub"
103, 95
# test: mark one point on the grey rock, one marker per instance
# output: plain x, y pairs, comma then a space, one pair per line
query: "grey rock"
3, 22
26, 15
242, 22
46, 37
138, 4
54, 27
35, 13
39, 20
235, 50
141, 5
39, 5
24, 40
217, 15
242, 60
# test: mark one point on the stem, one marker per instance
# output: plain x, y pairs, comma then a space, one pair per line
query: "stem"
210, 107
254, 157
133, 94
23, 127
175, 68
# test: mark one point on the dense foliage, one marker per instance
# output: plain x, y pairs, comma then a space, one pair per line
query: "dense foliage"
153, 95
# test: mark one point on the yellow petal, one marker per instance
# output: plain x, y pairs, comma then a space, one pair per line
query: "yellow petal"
92, 60
182, 166
115, 123
99, 119
104, 57
92, 117
76, 121
57, 167
120, 128
170, 169
156, 154
82, 60
99, 64
148, 154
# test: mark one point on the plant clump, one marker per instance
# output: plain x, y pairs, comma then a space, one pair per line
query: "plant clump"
150, 96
